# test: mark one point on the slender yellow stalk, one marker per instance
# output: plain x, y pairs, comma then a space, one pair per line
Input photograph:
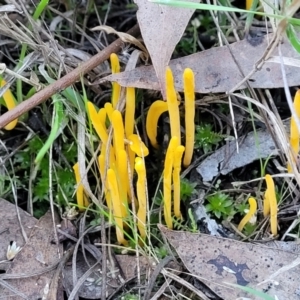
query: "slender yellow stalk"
294, 132
271, 195
129, 111
117, 205
172, 105
176, 179
101, 162
82, 200
189, 100
249, 215
167, 180
116, 88
122, 177
141, 195
10, 104
118, 126
109, 110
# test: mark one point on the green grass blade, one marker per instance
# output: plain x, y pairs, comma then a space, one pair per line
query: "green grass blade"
59, 121
293, 38
252, 291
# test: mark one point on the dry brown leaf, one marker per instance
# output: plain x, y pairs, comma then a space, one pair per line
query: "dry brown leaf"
161, 27
216, 72
125, 37
37, 255
217, 261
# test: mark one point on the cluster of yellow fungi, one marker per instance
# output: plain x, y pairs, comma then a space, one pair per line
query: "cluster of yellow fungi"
269, 207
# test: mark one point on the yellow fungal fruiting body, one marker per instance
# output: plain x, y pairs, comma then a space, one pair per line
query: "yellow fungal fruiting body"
97, 122
248, 4
176, 179
189, 100
271, 196
137, 145
249, 215
141, 195
122, 176
294, 132
116, 88
167, 180
82, 200
118, 126
117, 205
172, 105
10, 104
156, 109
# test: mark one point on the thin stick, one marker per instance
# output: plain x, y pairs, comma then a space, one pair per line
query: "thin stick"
65, 81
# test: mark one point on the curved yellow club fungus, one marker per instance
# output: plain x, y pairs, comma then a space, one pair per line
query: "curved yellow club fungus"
116, 88
172, 105
167, 180
249, 215
176, 179
271, 196
156, 109
249, 4
141, 195
82, 200
189, 103
294, 132
101, 162
10, 104
116, 204
137, 145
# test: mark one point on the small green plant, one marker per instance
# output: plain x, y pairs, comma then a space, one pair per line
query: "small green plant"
220, 204
206, 138
161, 252
187, 189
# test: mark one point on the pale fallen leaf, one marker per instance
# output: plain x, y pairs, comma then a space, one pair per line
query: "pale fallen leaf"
162, 27
226, 159
216, 71
216, 261
37, 254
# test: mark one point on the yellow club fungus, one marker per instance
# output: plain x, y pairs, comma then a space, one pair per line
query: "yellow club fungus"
122, 177
82, 200
117, 205
118, 134
266, 207
176, 179
101, 162
10, 103
156, 109
97, 122
249, 4
167, 180
189, 102
172, 105
271, 196
116, 88
137, 145
249, 215
109, 110
294, 132
129, 111
102, 116
141, 195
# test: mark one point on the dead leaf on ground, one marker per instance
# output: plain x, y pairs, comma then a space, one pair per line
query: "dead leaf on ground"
226, 159
216, 71
162, 28
36, 255
217, 261
10, 230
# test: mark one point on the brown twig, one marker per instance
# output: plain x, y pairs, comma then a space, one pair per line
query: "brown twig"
65, 81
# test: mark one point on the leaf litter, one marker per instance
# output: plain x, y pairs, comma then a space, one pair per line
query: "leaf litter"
217, 72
